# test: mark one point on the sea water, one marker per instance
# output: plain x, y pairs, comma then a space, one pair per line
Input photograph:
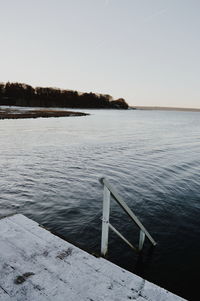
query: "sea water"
50, 170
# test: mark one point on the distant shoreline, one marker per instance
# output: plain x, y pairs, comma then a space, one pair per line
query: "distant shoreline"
164, 109
20, 94
43, 113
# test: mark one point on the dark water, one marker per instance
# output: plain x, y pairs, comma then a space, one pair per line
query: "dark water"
50, 168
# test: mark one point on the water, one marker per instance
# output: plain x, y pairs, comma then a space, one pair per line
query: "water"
49, 171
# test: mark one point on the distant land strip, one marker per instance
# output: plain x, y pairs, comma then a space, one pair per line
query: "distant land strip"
20, 114
20, 94
165, 109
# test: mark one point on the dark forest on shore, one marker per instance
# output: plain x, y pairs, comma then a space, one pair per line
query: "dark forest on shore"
19, 94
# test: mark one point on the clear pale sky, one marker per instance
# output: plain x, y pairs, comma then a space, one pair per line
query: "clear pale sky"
146, 51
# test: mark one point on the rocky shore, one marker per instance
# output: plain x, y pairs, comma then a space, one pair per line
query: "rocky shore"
18, 114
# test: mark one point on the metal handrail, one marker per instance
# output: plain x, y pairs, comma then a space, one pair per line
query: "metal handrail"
108, 191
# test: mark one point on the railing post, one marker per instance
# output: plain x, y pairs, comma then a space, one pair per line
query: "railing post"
108, 191
105, 221
141, 240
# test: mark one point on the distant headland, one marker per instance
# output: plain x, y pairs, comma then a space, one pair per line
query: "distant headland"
20, 94
165, 109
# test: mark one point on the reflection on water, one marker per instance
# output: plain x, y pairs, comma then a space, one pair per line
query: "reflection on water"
50, 168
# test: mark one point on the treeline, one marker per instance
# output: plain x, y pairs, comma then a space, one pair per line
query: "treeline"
18, 94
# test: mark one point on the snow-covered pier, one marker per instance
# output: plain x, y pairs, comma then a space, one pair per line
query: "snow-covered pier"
36, 265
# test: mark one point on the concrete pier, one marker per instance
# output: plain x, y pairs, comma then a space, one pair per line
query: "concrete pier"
36, 265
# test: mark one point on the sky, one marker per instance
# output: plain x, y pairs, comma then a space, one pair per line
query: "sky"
145, 51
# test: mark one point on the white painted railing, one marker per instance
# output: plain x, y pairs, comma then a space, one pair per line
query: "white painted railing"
108, 192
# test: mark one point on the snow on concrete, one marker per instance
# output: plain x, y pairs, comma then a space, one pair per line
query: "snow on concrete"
36, 265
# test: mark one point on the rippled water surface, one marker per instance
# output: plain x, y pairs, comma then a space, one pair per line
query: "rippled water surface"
50, 168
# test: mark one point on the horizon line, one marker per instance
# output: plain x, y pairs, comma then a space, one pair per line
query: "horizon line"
163, 108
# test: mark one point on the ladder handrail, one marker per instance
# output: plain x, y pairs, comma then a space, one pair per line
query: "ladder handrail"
129, 212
